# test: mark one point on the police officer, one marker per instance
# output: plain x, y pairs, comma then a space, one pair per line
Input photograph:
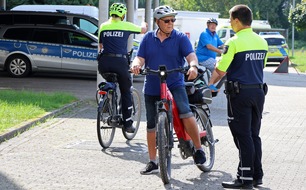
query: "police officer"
113, 38
243, 61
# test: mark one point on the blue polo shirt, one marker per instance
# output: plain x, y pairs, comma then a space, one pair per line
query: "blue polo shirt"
207, 37
170, 52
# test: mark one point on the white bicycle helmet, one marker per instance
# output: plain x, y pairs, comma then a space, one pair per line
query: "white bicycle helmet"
212, 20
164, 11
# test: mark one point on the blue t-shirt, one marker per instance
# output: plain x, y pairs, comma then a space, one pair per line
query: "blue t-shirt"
207, 37
170, 52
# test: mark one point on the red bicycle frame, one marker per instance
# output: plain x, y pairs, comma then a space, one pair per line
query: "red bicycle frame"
167, 97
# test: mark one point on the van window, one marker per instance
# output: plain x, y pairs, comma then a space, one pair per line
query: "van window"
85, 25
10, 19
275, 41
17, 33
45, 35
221, 33
76, 39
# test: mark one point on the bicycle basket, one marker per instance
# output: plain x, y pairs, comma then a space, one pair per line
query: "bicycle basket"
105, 86
200, 96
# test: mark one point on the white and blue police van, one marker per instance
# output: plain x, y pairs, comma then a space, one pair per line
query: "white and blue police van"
27, 48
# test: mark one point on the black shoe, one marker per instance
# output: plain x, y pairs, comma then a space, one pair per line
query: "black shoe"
151, 168
128, 126
129, 129
257, 182
199, 157
236, 184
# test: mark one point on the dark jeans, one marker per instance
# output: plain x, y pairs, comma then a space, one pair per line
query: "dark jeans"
120, 66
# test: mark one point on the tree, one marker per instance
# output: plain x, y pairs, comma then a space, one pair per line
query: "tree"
298, 16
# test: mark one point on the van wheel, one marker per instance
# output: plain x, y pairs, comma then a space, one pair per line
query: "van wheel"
18, 66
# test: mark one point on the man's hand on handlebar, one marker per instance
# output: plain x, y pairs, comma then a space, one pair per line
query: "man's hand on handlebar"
192, 73
135, 69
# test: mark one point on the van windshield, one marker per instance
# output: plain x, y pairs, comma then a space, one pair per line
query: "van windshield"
275, 41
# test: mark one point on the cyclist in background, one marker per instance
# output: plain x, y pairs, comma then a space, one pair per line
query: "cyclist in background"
168, 47
208, 44
113, 39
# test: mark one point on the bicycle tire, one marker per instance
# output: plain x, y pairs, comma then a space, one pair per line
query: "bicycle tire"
136, 114
164, 151
207, 142
105, 132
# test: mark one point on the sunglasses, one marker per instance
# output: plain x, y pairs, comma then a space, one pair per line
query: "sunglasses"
168, 20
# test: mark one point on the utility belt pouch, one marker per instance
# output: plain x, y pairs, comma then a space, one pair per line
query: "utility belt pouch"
232, 87
265, 88
229, 87
236, 87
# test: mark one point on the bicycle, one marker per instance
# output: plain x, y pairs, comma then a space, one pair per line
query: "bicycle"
168, 119
109, 116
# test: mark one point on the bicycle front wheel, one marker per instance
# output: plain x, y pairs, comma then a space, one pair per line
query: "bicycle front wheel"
163, 144
207, 141
136, 114
105, 131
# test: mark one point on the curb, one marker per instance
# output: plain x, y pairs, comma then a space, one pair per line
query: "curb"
28, 124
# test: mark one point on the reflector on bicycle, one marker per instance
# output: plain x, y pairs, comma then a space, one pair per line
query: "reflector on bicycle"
101, 92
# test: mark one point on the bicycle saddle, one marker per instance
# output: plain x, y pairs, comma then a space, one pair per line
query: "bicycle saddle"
110, 77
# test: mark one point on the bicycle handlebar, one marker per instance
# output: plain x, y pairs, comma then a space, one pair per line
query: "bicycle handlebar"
162, 68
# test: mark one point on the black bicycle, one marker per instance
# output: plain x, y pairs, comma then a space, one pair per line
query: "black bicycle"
110, 113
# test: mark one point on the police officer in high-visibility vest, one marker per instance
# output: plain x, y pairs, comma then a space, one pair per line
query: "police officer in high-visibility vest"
243, 61
113, 39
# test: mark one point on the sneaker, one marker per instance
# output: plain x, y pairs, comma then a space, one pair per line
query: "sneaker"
151, 168
199, 157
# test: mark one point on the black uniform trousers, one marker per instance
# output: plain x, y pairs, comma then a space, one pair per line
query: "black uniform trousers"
120, 66
244, 119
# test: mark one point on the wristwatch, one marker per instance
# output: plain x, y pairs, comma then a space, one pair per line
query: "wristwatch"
194, 66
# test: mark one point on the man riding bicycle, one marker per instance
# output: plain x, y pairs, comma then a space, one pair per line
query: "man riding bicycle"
166, 46
113, 38
207, 48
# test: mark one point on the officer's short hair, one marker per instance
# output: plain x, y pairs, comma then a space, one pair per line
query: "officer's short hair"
243, 13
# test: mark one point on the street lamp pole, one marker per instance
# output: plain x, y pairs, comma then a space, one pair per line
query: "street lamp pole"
292, 45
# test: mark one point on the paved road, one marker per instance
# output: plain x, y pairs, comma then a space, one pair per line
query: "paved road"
64, 153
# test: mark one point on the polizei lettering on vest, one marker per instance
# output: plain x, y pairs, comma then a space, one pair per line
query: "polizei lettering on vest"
113, 34
254, 56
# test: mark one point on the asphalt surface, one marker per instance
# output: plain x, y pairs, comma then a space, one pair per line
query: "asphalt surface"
63, 153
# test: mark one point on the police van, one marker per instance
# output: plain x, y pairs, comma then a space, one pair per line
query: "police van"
84, 22
27, 48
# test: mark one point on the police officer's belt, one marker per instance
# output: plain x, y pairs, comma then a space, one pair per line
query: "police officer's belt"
246, 86
114, 55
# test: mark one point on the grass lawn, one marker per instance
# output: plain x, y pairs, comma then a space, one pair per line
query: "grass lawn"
299, 59
19, 106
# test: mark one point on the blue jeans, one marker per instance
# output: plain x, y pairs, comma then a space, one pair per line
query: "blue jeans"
181, 100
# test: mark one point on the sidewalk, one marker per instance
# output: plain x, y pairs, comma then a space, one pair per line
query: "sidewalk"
63, 153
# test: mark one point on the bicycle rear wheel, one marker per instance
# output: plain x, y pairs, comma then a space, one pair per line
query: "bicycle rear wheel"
136, 114
105, 131
164, 150
207, 142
